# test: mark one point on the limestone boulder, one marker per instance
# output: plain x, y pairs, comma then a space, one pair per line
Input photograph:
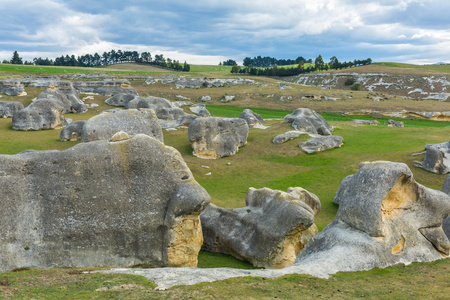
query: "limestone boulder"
308, 120
76, 104
270, 231
11, 87
392, 123
384, 218
105, 87
40, 114
366, 122
124, 202
9, 108
437, 158
213, 137
131, 121
446, 224
289, 135
446, 186
253, 119
200, 109
72, 131
122, 99
319, 143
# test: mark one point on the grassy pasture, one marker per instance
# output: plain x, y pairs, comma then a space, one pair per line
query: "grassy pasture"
258, 164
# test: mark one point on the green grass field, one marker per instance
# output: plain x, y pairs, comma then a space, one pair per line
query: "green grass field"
258, 164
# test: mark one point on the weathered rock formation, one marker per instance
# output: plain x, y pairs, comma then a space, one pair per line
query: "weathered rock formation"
200, 109
213, 137
131, 121
319, 143
9, 108
385, 217
392, 123
253, 119
122, 99
446, 224
125, 202
270, 231
446, 186
366, 122
40, 114
72, 131
289, 135
11, 87
437, 158
308, 120
106, 87
196, 83
68, 97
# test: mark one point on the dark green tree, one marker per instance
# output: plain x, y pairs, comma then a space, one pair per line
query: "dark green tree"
319, 64
16, 60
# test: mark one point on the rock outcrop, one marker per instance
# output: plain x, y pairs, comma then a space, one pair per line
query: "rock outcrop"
105, 87
72, 131
11, 87
214, 137
308, 120
131, 121
270, 231
385, 217
68, 97
125, 202
40, 114
366, 122
200, 109
392, 123
122, 99
253, 119
437, 158
319, 143
289, 135
9, 108
446, 186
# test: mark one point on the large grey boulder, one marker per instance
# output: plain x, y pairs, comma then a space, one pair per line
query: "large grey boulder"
253, 119
270, 231
11, 87
437, 158
131, 121
319, 143
125, 202
9, 108
122, 99
72, 131
76, 104
392, 123
105, 87
308, 120
289, 135
40, 114
213, 137
384, 218
200, 109
366, 122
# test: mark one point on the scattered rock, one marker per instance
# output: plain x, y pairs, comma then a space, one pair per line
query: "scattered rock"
290, 135
253, 119
200, 109
437, 158
40, 114
214, 137
125, 203
11, 87
131, 121
367, 122
319, 143
9, 108
182, 103
122, 99
283, 85
270, 231
71, 104
106, 87
392, 123
72, 131
206, 98
308, 120
227, 98
384, 218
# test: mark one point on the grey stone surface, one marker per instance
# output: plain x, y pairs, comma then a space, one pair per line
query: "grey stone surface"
253, 119
437, 158
130, 201
392, 123
67, 96
206, 98
131, 121
122, 99
270, 231
40, 114
446, 185
289, 135
319, 143
9, 108
308, 120
366, 122
11, 87
228, 98
105, 87
214, 137
342, 186
72, 131
200, 109
384, 218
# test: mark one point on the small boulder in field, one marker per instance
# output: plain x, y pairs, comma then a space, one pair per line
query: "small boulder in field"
308, 120
213, 137
72, 131
392, 123
437, 158
9, 108
40, 114
122, 99
253, 119
319, 143
270, 231
290, 135
131, 121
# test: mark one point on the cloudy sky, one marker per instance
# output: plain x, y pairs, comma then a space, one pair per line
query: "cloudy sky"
210, 31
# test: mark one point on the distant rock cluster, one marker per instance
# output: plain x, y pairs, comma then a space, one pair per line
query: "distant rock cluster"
196, 83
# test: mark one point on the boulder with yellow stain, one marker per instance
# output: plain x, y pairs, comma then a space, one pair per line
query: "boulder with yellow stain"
437, 158
125, 202
72, 131
270, 231
384, 218
213, 137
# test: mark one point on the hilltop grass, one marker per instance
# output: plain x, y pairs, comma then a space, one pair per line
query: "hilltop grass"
433, 68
